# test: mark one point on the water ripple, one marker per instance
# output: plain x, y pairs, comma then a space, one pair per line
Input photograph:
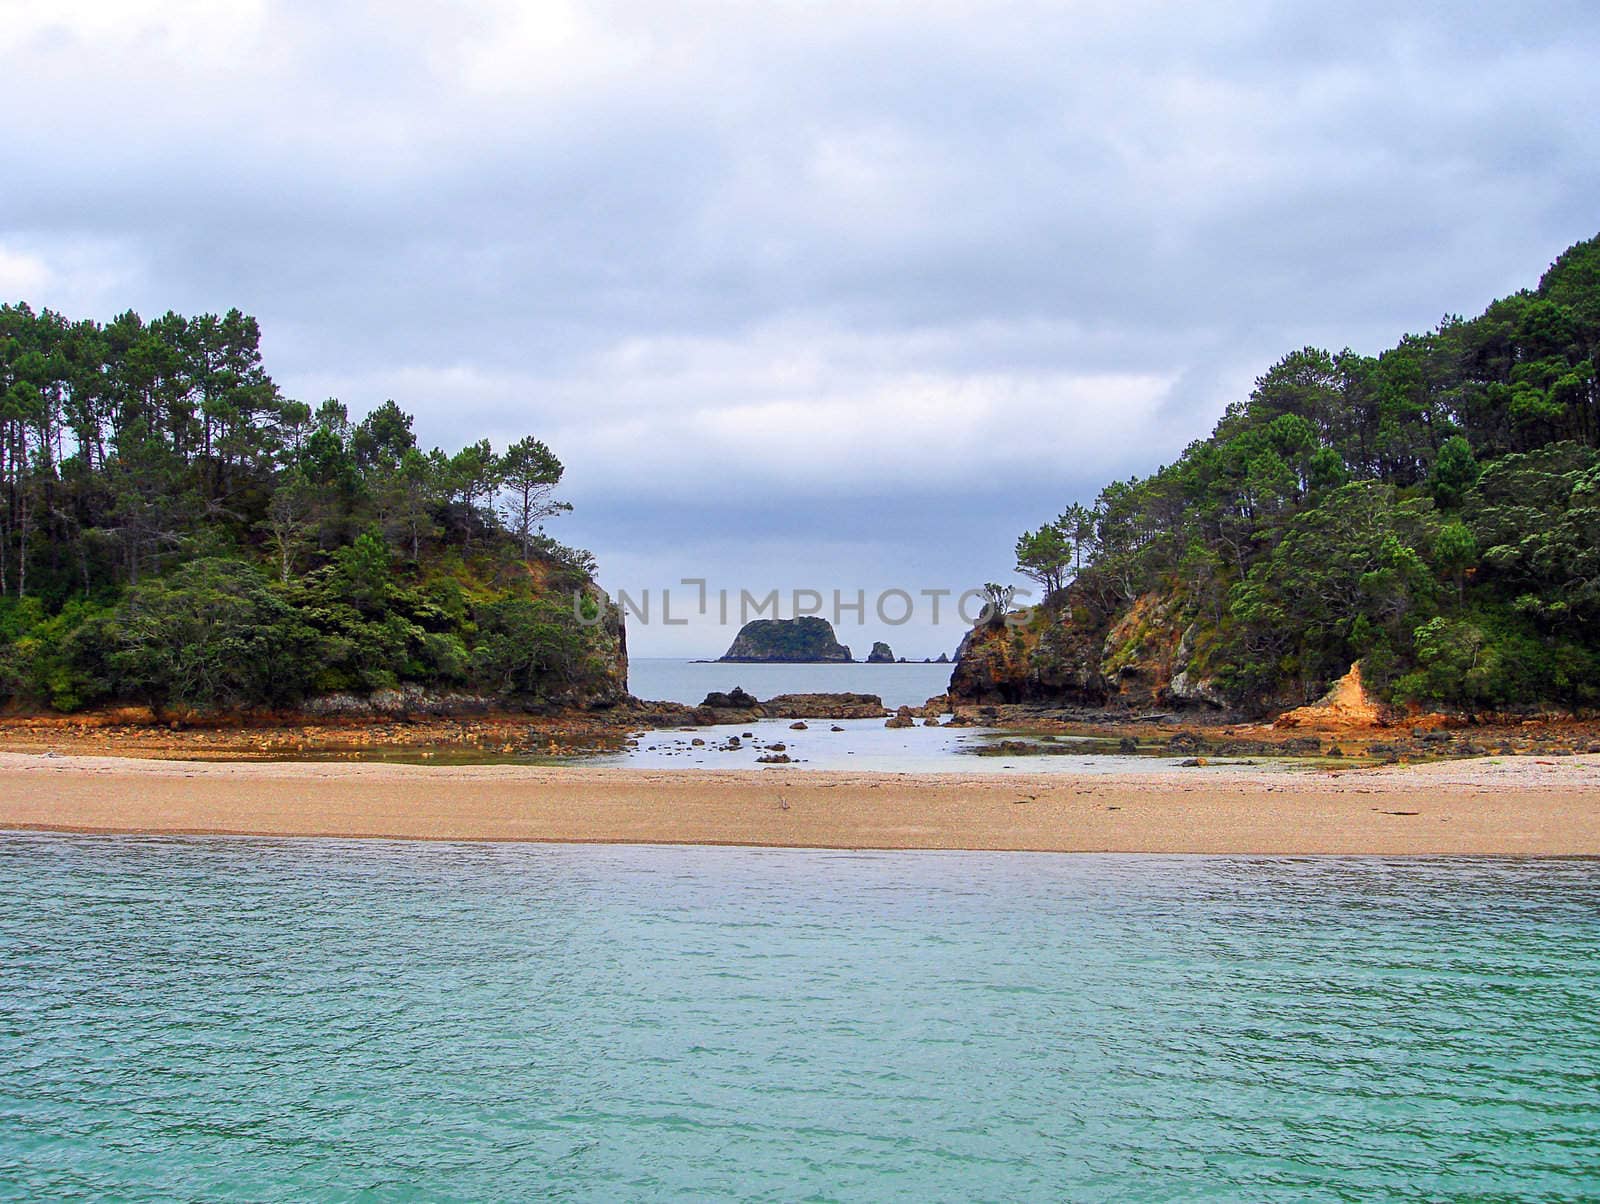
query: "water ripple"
216, 1019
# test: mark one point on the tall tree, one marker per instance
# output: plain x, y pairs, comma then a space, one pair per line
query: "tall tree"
529, 472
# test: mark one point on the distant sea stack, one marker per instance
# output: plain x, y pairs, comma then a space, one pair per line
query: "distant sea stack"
881, 654
787, 641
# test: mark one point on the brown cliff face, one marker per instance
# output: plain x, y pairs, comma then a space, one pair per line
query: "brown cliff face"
1034, 656
1136, 658
609, 684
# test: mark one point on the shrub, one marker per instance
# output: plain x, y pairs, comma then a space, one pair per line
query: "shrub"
213, 633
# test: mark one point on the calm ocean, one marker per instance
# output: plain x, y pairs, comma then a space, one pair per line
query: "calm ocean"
215, 1018
666, 680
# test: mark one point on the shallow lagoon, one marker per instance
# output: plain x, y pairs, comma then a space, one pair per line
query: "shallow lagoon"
866, 744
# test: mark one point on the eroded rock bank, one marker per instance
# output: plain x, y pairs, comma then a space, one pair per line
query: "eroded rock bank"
408, 724
1145, 672
1077, 654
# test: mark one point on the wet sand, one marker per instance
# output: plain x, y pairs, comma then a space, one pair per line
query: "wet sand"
1512, 805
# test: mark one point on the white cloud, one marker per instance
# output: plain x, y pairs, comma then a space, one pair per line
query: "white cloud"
81, 277
205, 30
22, 275
825, 254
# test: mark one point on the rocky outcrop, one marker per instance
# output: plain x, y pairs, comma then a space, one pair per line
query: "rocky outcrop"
738, 699
881, 654
1187, 689
607, 683
1346, 705
1141, 650
402, 702
787, 641
1189, 686
823, 706
740, 706
1033, 656
1143, 656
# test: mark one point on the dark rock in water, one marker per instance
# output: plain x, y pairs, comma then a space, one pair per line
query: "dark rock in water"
737, 699
787, 641
942, 659
799, 725
824, 706
836, 728
881, 654
774, 759
901, 718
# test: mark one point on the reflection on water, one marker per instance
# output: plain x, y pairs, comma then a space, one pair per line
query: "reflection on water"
864, 744
284, 1020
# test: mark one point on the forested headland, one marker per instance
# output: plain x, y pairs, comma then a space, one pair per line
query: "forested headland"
176, 532
1432, 512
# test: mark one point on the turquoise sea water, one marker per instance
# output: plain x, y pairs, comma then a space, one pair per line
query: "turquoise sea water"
293, 1020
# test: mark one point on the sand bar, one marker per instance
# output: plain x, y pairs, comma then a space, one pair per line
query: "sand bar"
1517, 805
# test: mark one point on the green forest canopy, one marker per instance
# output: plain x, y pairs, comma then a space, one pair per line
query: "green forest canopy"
1433, 511
175, 531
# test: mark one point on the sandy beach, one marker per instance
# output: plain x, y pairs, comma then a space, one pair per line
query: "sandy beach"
1510, 806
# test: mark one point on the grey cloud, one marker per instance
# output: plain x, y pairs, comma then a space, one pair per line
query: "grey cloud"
682, 213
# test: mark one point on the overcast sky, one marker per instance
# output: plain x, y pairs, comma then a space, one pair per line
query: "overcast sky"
805, 295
